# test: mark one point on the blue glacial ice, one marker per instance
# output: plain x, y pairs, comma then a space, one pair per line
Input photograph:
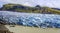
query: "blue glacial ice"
31, 19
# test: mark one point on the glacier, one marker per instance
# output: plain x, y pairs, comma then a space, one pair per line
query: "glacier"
31, 19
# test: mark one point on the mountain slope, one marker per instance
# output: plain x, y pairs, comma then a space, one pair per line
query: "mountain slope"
37, 9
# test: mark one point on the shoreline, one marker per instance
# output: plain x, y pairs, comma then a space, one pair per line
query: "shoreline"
25, 29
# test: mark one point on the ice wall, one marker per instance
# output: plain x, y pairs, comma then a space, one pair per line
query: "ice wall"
31, 19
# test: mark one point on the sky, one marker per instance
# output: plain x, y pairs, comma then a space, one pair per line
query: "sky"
49, 3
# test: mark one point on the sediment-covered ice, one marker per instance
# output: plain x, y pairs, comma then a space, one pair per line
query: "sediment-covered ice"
31, 19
